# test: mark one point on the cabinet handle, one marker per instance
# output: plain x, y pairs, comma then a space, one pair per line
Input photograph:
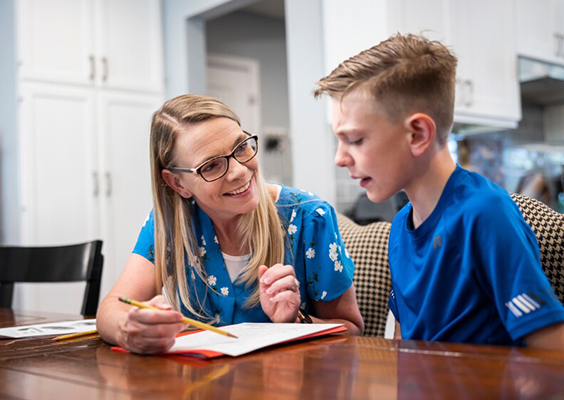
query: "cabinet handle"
105, 69
470, 97
108, 184
559, 45
96, 184
459, 92
92, 67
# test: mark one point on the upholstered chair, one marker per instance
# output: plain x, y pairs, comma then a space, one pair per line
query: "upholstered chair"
368, 247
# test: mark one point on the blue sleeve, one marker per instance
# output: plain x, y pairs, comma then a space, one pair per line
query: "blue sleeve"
329, 268
512, 272
145, 245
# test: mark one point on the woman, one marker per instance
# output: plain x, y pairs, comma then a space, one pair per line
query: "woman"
222, 245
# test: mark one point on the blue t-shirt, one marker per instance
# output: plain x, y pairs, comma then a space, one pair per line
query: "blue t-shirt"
471, 271
314, 248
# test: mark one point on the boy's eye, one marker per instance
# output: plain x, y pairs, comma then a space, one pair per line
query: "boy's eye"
355, 142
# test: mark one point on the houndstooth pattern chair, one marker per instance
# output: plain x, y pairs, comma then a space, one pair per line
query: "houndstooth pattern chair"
548, 226
368, 247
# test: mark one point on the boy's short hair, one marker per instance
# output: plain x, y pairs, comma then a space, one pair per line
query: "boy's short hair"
405, 74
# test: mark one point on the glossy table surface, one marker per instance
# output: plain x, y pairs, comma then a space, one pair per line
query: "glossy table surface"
335, 367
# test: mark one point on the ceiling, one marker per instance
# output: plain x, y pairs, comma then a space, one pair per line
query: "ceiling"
269, 8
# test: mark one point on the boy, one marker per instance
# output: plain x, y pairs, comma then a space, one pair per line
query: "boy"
465, 265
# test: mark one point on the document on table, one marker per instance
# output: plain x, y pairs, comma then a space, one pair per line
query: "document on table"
251, 337
52, 328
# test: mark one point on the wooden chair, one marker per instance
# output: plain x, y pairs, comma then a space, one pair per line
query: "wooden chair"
73, 263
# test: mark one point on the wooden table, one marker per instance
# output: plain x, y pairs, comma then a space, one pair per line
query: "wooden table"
335, 367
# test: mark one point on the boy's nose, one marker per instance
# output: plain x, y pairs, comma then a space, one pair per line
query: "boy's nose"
342, 159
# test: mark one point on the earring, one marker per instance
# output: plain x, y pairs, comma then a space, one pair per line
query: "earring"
185, 194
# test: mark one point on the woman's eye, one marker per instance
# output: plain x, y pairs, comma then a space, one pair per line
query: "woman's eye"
211, 166
242, 148
355, 142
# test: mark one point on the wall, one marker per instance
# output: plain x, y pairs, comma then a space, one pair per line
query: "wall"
261, 38
9, 227
312, 166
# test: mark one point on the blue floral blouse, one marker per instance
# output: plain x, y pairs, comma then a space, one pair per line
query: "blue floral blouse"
314, 248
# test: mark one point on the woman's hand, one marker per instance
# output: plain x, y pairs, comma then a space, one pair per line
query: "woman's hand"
146, 331
279, 292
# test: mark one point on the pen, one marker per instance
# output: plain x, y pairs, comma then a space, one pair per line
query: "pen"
75, 335
186, 320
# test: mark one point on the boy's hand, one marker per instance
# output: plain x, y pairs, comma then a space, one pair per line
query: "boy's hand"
279, 292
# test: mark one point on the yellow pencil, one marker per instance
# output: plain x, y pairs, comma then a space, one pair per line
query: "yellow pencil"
75, 335
186, 320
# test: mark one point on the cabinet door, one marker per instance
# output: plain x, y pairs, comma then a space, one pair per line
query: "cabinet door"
482, 37
129, 44
430, 18
540, 29
58, 188
124, 144
57, 152
55, 40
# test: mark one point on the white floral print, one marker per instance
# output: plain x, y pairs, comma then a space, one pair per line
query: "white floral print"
320, 211
333, 252
294, 213
292, 229
202, 251
310, 253
212, 280
323, 295
215, 239
225, 291
338, 266
203, 240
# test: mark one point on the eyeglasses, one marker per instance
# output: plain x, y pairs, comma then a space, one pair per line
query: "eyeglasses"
216, 167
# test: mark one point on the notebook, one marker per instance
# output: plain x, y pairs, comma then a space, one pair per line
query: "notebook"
251, 337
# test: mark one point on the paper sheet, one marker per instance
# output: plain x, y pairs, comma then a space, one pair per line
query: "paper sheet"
52, 328
251, 336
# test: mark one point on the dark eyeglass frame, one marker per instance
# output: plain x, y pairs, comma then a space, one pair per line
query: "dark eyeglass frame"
198, 169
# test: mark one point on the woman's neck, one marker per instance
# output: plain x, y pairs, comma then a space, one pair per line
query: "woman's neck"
229, 239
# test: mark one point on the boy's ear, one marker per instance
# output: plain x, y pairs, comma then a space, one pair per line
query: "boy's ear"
174, 183
422, 132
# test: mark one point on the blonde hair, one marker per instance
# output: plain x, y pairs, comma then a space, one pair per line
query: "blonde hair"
405, 74
260, 231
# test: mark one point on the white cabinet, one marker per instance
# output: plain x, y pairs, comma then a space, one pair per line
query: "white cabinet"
89, 79
108, 43
86, 175
487, 85
487, 91
540, 29
57, 163
479, 32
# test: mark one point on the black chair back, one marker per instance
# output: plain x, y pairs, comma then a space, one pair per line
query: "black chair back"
73, 263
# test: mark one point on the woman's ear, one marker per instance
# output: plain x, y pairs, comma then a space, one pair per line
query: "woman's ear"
422, 131
174, 183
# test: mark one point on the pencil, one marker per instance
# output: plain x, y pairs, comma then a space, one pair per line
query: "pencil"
186, 320
75, 335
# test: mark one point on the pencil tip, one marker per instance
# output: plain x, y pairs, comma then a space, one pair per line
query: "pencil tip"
232, 335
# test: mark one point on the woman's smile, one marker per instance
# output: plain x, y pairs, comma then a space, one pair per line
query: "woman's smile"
240, 192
